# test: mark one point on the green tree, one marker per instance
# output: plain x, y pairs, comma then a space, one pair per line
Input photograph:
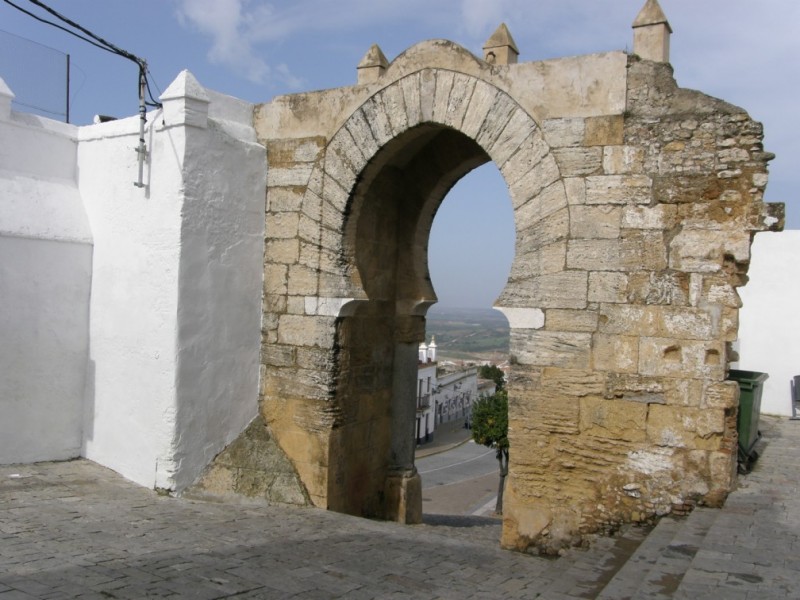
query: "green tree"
490, 428
494, 373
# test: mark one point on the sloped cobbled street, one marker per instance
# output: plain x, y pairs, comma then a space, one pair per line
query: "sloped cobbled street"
78, 530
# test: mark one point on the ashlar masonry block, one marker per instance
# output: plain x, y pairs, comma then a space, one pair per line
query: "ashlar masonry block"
613, 419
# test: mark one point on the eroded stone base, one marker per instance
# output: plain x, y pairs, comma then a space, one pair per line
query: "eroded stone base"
404, 498
253, 467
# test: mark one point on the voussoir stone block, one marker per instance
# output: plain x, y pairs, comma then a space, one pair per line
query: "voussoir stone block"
530, 152
483, 99
458, 102
531, 184
394, 104
441, 101
410, 86
516, 131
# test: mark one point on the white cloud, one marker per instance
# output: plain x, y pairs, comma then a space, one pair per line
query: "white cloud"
240, 29
235, 28
480, 16
739, 50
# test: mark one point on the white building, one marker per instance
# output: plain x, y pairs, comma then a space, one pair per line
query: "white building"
769, 321
445, 394
455, 393
426, 384
154, 394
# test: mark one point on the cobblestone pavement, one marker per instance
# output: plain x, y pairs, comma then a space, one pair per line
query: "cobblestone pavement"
78, 530
751, 550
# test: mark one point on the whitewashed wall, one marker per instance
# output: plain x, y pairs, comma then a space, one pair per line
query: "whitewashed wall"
220, 284
176, 295
455, 395
130, 403
141, 351
769, 321
426, 384
45, 274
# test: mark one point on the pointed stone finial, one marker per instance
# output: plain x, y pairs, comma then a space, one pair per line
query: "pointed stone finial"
651, 33
373, 65
6, 97
500, 48
185, 101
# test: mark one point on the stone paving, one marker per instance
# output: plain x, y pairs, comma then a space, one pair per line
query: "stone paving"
78, 530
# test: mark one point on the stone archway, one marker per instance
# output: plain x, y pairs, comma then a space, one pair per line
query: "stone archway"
384, 174
635, 203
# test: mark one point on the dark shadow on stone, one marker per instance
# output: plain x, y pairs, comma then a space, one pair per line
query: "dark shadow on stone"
459, 521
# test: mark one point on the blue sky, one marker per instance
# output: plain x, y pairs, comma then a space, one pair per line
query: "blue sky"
745, 52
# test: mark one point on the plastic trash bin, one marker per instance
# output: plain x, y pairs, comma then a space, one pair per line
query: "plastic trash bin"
751, 384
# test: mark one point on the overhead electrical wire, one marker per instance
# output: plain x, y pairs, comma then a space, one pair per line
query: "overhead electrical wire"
97, 41
93, 39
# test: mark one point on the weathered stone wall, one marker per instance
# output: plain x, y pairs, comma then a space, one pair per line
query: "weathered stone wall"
252, 467
635, 203
619, 406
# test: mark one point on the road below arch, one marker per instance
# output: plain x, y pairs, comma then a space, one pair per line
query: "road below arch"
461, 481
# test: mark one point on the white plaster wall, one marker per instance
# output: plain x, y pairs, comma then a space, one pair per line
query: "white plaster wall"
130, 404
44, 286
426, 419
140, 352
220, 286
769, 320
461, 387
176, 294
45, 275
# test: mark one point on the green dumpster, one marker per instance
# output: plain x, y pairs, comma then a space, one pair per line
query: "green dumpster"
751, 384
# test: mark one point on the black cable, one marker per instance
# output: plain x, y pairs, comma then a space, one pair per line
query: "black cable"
153, 101
100, 43
43, 20
109, 45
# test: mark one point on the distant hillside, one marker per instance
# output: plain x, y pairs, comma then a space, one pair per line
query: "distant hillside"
469, 333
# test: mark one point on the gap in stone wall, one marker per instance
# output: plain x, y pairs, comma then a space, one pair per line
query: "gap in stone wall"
470, 251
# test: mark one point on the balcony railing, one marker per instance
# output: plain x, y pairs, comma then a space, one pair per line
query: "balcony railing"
423, 402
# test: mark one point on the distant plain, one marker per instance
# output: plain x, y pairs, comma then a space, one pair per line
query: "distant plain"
468, 333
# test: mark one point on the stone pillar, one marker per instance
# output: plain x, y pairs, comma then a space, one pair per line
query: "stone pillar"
403, 483
372, 66
185, 102
500, 48
651, 33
